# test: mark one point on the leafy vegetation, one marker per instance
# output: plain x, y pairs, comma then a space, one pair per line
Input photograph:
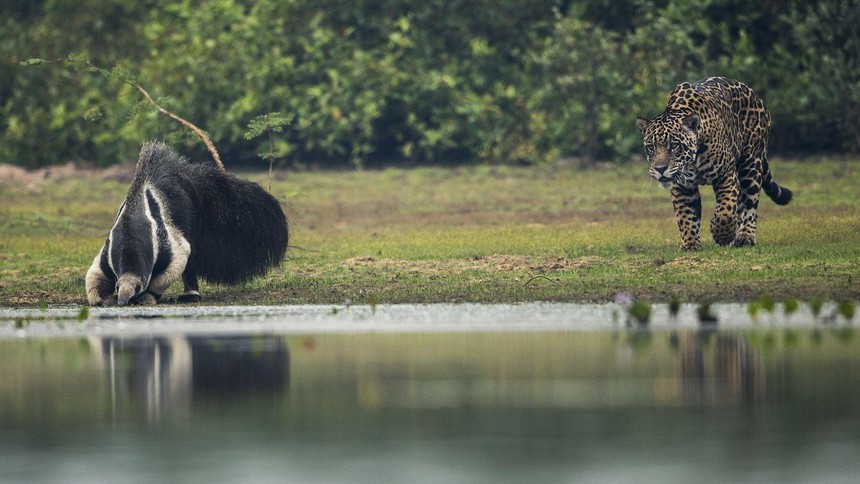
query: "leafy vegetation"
476, 233
269, 124
396, 80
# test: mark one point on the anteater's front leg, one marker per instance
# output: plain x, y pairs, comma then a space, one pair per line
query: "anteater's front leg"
688, 210
100, 286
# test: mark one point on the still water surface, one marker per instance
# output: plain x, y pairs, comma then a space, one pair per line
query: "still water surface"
228, 399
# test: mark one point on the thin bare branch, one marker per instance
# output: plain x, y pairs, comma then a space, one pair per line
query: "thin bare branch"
188, 124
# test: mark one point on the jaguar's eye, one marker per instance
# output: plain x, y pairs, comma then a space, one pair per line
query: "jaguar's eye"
649, 149
673, 146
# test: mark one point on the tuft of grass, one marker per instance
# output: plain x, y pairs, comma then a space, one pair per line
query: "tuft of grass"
477, 233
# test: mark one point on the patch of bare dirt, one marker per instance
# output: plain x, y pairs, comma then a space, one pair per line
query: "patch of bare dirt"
533, 263
34, 179
496, 263
693, 263
687, 261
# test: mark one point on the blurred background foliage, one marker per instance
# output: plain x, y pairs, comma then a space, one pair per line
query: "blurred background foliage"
368, 82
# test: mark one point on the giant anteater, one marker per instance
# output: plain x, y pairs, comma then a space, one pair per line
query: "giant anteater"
188, 219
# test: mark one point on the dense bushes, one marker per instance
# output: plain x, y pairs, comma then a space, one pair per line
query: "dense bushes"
396, 80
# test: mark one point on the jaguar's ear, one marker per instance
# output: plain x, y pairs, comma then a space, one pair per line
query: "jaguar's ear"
692, 122
642, 124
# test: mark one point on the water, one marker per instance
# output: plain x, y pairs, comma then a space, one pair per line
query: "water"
459, 393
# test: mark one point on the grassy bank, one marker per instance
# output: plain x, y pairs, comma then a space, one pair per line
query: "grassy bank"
486, 234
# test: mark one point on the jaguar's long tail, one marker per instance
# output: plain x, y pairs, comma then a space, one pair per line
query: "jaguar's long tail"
777, 193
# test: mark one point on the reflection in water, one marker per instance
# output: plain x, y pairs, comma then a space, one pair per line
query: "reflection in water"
164, 373
585, 406
733, 374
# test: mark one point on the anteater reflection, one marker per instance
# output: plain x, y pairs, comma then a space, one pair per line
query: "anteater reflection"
164, 374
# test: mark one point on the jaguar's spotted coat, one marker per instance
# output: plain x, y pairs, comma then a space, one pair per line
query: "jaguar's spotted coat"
713, 132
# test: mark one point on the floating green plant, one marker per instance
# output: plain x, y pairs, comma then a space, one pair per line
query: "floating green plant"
753, 309
674, 307
790, 306
767, 303
815, 306
640, 311
846, 310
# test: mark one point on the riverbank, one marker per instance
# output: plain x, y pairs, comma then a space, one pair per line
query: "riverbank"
470, 234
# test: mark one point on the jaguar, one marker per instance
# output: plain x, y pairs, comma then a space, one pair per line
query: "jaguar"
713, 132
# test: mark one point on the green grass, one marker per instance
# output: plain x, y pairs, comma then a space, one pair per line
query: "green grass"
488, 234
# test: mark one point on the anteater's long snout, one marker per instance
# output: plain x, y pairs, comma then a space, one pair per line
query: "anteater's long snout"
127, 287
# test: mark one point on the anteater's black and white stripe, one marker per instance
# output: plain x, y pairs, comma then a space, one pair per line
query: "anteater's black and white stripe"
182, 219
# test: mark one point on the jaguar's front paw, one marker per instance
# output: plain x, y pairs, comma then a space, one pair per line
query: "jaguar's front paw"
723, 230
691, 246
743, 241
724, 239
722, 242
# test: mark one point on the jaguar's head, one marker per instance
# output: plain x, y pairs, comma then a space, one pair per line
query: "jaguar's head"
671, 145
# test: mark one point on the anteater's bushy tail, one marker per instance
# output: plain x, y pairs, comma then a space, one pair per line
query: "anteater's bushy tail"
237, 230
242, 229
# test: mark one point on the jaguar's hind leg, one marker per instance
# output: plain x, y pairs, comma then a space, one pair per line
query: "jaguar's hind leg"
749, 176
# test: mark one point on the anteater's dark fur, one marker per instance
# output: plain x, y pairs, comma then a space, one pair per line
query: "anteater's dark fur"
235, 230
